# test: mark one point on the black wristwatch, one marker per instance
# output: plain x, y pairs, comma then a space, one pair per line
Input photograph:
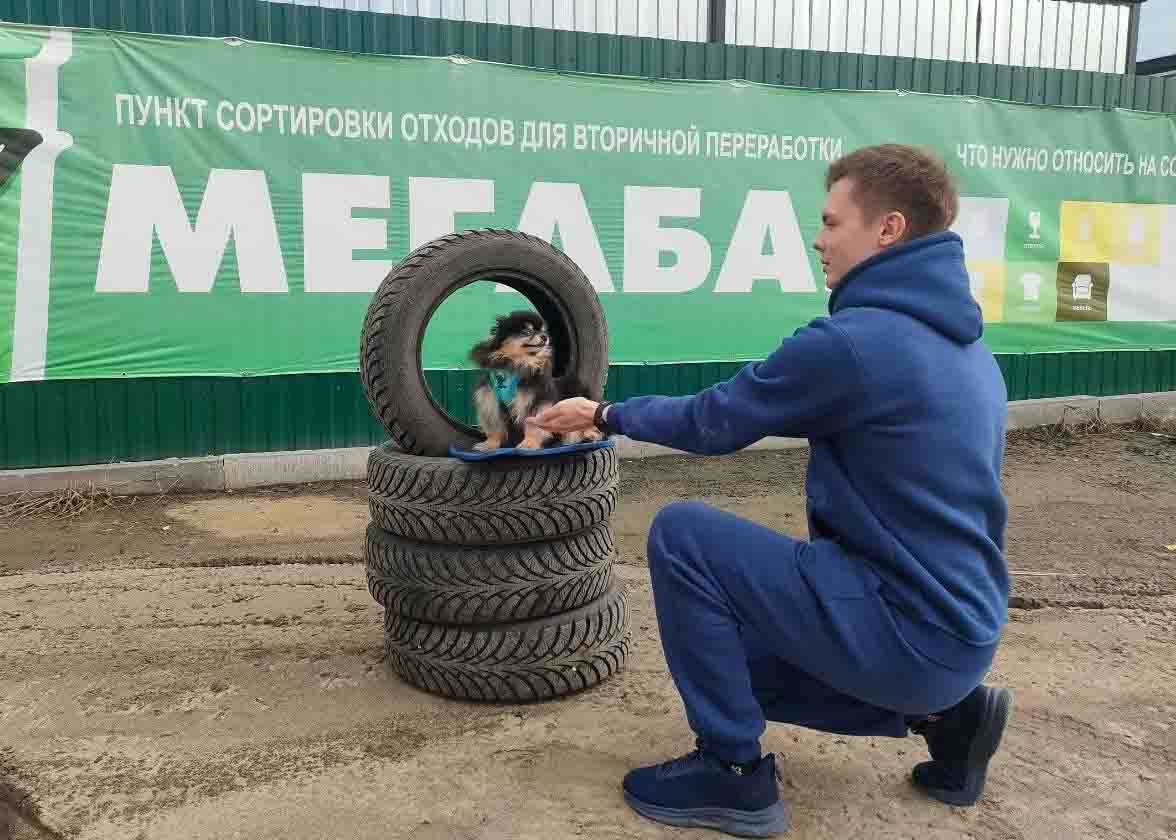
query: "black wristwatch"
598, 418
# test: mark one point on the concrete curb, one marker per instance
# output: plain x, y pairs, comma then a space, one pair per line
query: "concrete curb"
140, 478
238, 472
264, 469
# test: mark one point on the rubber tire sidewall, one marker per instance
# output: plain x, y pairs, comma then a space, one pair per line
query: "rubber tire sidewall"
411, 293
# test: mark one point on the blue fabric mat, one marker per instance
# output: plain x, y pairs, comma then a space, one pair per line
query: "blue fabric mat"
513, 452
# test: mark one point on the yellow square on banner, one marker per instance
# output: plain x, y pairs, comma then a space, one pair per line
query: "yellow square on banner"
987, 281
1086, 232
1138, 237
1103, 232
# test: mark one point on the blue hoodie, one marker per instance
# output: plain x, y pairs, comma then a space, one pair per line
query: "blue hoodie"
904, 408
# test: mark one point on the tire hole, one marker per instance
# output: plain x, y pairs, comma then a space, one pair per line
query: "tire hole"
433, 306
464, 318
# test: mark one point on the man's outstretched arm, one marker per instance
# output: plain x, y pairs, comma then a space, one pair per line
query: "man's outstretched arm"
811, 385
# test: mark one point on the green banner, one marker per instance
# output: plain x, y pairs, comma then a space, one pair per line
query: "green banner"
218, 207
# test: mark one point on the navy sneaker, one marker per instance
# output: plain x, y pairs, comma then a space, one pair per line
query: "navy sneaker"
962, 740
699, 791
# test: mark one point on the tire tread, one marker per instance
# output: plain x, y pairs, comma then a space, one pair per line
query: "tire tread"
518, 663
491, 584
444, 500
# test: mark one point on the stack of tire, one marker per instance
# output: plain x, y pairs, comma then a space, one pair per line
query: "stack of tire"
496, 576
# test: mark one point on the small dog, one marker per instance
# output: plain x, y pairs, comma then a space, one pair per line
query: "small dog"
519, 383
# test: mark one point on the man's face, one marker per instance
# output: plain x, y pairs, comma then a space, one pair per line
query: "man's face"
847, 237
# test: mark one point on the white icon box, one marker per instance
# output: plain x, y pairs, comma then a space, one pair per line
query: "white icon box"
976, 282
1031, 286
1137, 230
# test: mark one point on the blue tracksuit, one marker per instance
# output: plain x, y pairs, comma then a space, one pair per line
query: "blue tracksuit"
895, 605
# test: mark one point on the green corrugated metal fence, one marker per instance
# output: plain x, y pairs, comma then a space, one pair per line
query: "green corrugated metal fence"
369, 32
57, 423
61, 423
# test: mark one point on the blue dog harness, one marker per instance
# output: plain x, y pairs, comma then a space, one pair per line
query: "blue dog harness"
505, 385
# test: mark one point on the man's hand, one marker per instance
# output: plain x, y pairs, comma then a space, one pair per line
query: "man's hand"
572, 415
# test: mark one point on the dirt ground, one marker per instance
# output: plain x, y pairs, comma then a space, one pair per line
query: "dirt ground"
210, 667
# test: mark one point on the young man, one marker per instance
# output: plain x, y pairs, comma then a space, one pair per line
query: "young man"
886, 620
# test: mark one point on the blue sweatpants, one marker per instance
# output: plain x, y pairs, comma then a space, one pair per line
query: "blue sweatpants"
755, 628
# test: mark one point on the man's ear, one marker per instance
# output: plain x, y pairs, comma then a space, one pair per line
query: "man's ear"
892, 228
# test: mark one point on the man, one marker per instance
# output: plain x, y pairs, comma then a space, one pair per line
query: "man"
886, 620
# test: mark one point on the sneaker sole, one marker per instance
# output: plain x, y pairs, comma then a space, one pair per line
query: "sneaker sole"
997, 707
766, 823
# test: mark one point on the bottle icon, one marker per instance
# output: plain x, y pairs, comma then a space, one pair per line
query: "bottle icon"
1035, 224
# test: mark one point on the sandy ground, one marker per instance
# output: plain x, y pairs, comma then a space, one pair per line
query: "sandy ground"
210, 667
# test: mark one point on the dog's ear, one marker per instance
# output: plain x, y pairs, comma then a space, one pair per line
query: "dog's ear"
516, 322
534, 319
480, 352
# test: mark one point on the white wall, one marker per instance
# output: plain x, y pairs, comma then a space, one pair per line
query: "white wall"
682, 19
1035, 33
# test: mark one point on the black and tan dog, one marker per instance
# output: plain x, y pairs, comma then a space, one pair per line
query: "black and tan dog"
517, 359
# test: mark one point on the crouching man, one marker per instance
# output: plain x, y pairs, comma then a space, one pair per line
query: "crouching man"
886, 620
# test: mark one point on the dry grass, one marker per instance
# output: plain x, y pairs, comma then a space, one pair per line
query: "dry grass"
1074, 423
1157, 424
1077, 423
60, 504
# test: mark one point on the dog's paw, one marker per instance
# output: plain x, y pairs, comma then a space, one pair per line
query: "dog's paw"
592, 435
530, 443
488, 445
